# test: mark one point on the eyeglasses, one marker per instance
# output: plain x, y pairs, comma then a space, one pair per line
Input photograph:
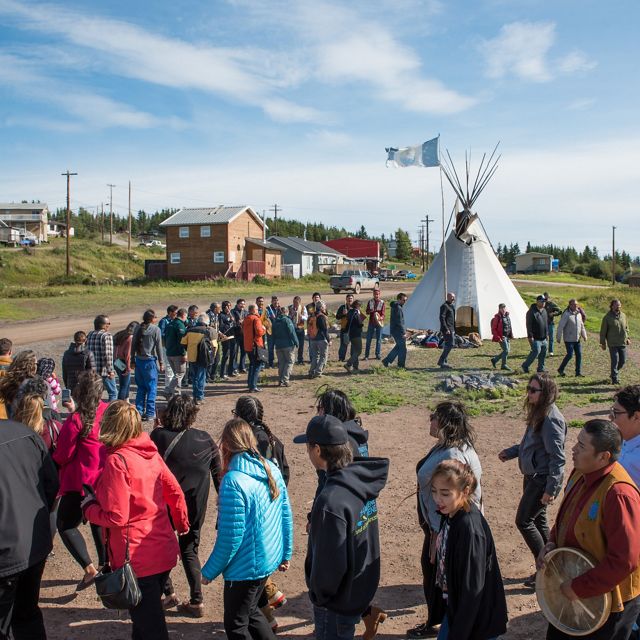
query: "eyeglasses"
531, 389
616, 412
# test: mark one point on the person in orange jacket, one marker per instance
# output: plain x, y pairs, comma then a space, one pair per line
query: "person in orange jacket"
253, 331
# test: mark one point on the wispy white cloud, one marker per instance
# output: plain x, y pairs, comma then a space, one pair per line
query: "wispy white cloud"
522, 49
86, 108
581, 105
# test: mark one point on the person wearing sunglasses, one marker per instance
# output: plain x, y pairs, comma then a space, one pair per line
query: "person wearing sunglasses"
541, 459
625, 414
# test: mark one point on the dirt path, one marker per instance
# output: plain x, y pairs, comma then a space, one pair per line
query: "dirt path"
559, 284
400, 435
22, 333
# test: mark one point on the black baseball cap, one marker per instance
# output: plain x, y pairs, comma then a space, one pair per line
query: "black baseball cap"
323, 430
541, 299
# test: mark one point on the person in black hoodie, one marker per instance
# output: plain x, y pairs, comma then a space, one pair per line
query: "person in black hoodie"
76, 359
537, 334
355, 322
467, 569
343, 528
226, 333
398, 331
28, 489
194, 459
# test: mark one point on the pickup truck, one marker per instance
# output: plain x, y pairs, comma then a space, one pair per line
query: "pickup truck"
353, 281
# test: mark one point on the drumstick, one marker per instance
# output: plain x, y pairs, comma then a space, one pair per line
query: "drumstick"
581, 604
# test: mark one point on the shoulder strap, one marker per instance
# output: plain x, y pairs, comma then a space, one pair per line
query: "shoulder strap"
126, 554
172, 445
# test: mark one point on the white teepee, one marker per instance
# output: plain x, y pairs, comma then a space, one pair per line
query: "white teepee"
477, 278
473, 271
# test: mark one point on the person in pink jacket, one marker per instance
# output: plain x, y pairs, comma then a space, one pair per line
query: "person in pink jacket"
80, 456
131, 499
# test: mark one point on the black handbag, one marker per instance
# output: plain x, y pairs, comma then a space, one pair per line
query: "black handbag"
262, 355
118, 589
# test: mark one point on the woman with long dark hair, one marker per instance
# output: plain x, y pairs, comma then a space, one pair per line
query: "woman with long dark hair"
80, 456
455, 440
122, 358
255, 532
194, 459
136, 499
541, 460
147, 349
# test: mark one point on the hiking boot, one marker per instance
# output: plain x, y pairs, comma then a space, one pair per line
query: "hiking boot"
422, 631
170, 601
192, 610
372, 621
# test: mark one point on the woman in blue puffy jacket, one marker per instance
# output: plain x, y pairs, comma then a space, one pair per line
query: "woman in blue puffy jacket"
255, 532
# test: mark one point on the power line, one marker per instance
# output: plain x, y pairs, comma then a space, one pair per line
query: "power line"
111, 212
275, 210
68, 174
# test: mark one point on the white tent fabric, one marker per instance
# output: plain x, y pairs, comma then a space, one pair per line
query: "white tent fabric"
479, 281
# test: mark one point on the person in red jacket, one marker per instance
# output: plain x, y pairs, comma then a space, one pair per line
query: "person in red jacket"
501, 332
130, 500
80, 456
253, 330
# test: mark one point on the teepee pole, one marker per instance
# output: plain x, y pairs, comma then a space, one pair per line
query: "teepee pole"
444, 239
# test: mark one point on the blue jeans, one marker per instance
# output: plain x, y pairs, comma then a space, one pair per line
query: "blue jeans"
124, 380
371, 332
344, 344
618, 358
446, 349
572, 347
147, 381
255, 366
551, 327
333, 626
504, 353
199, 374
538, 350
443, 634
300, 334
271, 348
399, 351
110, 387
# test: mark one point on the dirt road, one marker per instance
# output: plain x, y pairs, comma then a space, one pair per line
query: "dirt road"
544, 283
22, 333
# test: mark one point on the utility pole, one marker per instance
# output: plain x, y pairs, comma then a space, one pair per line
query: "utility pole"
275, 210
129, 238
68, 234
427, 220
613, 256
102, 220
111, 212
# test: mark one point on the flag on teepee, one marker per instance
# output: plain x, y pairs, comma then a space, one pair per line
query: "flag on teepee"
421, 155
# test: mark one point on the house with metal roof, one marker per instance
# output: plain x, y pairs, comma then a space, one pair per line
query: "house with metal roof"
209, 242
30, 218
311, 256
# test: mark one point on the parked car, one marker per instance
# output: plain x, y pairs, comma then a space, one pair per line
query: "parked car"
27, 242
352, 280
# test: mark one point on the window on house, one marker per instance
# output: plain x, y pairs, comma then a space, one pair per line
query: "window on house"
183, 232
175, 258
205, 231
218, 256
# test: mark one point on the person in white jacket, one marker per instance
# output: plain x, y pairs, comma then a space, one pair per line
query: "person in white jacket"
571, 329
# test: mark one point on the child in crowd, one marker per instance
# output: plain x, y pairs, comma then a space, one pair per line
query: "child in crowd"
467, 569
46, 368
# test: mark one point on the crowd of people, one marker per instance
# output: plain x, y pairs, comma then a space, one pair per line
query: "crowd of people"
82, 454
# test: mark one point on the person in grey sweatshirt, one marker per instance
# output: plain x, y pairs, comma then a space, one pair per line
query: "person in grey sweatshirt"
541, 458
147, 356
571, 329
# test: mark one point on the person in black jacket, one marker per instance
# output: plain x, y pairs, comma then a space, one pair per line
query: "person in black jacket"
447, 328
194, 459
28, 489
537, 334
343, 528
467, 569
226, 333
76, 359
355, 322
398, 331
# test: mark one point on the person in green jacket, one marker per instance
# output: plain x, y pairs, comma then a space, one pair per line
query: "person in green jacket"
286, 342
614, 333
176, 352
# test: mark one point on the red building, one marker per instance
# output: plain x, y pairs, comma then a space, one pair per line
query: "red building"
356, 247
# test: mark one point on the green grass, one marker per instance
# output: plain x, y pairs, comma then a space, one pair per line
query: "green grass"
562, 276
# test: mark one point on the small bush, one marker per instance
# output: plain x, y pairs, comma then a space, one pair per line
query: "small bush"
579, 269
261, 280
595, 270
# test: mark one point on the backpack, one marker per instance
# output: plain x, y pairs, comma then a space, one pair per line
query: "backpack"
206, 352
312, 326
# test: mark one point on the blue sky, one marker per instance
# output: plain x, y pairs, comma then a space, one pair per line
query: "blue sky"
256, 102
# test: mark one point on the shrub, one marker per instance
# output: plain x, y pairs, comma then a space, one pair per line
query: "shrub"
578, 269
258, 279
595, 270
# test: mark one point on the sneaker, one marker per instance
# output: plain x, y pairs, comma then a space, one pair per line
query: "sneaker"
372, 621
506, 368
255, 390
235, 374
277, 599
242, 371
385, 364
550, 354
580, 375
378, 357
525, 369
193, 610
493, 363
170, 601
446, 366
285, 384
366, 358
422, 631
561, 373
225, 377
348, 368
